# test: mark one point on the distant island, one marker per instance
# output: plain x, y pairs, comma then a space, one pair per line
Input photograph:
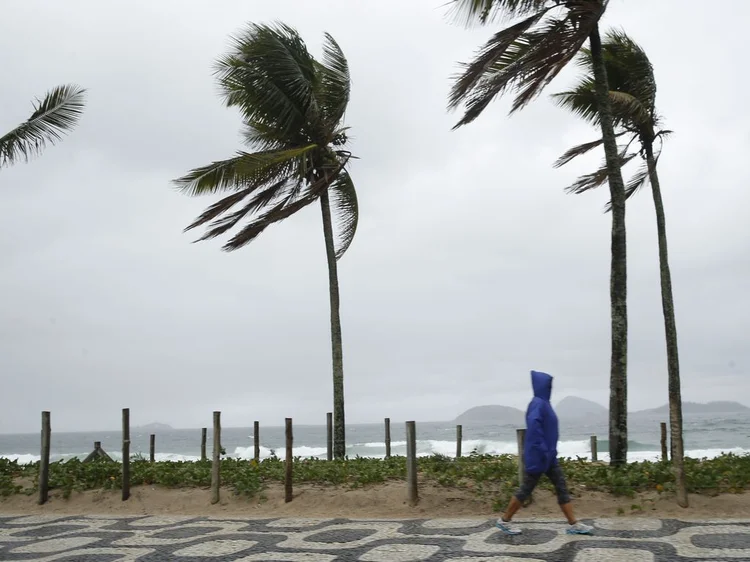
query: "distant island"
155, 426
573, 407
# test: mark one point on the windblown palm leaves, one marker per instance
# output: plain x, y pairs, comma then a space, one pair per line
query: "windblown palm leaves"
292, 108
633, 99
53, 116
525, 57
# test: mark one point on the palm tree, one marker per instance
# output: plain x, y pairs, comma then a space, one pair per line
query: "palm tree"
633, 98
54, 115
292, 109
524, 58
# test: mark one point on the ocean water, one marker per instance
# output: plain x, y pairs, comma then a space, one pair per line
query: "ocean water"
705, 436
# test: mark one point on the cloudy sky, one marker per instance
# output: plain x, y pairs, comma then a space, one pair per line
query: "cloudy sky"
470, 266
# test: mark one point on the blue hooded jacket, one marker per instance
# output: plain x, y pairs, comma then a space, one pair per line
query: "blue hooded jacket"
542, 431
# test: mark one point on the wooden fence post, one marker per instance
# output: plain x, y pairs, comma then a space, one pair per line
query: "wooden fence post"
203, 443
44, 461
388, 438
664, 442
520, 437
289, 466
152, 448
125, 453
459, 436
216, 460
412, 493
256, 441
594, 450
329, 436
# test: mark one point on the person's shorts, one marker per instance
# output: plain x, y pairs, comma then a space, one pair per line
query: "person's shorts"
557, 478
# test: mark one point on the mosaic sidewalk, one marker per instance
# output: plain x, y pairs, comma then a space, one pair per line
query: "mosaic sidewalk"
158, 539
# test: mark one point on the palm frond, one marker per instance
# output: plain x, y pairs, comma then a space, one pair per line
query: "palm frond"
483, 11
335, 83
276, 191
629, 109
278, 211
345, 207
529, 62
576, 151
491, 59
581, 100
54, 115
270, 76
639, 180
631, 83
597, 178
245, 170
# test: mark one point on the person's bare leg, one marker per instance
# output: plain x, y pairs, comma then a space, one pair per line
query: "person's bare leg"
567, 509
513, 508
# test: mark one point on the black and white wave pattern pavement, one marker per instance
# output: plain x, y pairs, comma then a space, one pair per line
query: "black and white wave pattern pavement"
161, 538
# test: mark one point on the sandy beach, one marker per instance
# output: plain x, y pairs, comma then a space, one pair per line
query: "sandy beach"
378, 501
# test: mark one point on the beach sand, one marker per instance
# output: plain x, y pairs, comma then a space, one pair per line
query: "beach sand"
378, 501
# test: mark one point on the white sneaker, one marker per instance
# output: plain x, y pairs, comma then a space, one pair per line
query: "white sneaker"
507, 528
579, 528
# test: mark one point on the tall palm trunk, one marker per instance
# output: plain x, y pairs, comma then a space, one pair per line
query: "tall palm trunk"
618, 384
339, 428
670, 329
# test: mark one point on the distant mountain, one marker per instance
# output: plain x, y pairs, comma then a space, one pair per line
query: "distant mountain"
572, 407
688, 408
154, 427
491, 414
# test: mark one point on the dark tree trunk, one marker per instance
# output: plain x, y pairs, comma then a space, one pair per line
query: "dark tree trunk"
670, 329
339, 428
618, 385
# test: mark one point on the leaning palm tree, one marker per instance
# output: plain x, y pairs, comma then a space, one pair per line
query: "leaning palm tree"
524, 58
55, 114
633, 99
292, 110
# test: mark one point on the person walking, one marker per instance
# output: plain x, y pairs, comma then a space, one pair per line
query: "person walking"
540, 457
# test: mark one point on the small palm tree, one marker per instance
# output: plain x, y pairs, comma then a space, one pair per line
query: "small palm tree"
56, 114
524, 58
633, 98
292, 109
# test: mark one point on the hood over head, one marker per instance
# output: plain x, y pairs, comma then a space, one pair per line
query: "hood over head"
542, 385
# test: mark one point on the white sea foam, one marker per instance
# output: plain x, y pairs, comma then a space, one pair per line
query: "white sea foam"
570, 449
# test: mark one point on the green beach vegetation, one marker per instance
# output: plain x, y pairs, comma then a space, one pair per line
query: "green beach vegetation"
490, 478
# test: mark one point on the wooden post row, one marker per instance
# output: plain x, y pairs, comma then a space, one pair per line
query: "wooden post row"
664, 442
152, 448
412, 494
256, 441
125, 453
216, 460
203, 443
459, 437
594, 449
329, 436
44, 461
288, 491
388, 438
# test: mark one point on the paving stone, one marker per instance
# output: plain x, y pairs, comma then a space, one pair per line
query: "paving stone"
54, 545
48, 530
723, 540
341, 535
215, 548
613, 555
453, 523
400, 553
628, 524
159, 539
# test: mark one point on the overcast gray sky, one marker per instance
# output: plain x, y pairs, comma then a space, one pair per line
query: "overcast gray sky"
470, 266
